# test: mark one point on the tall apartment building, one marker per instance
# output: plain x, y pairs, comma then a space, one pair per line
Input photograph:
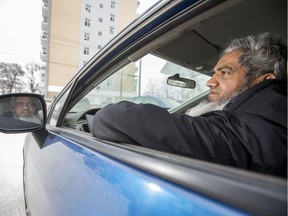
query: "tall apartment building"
74, 31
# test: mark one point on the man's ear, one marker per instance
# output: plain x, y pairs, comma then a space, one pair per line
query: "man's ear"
269, 76
263, 77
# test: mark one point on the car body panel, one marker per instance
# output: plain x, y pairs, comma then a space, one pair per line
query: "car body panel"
104, 186
81, 177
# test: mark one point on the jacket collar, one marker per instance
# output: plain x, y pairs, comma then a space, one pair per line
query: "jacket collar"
252, 92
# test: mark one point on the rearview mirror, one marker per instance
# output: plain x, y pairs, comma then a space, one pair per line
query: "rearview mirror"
178, 81
22, 112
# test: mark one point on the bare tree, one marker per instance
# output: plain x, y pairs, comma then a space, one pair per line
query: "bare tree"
32, 74
152, 88
10, 75
160, 88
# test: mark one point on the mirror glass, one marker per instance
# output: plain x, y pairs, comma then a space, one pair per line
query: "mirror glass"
178, 81
21, 113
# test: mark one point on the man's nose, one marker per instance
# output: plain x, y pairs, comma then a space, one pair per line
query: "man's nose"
26, 105
212, 82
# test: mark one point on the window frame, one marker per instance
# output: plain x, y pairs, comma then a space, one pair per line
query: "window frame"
86, 36
113, 4
88, 8
112, 30
86, 51
112, 18
87, 22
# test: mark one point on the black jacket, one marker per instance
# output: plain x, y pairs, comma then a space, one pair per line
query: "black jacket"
250, 132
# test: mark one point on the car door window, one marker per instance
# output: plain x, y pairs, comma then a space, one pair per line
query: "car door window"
56, 110
143, 81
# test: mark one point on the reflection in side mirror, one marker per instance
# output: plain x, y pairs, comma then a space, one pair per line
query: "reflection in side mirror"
178, 81
22, 112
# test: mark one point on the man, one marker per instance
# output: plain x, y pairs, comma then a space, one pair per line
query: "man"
25, 109
23, 114
250, 132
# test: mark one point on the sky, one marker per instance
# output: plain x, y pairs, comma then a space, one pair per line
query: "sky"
20, 26
20, 29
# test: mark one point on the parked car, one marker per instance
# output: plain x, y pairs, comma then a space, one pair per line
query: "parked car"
166, 103
69, 172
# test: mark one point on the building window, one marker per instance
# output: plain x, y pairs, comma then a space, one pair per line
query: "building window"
45, 3
86, 51
88, 8
86, 37
99, 47
84, 63
109, 82
112, 18
44, 35
99, 33
44, 19
111, 30
87, 22
109, 100
100, 20
113, 4
100, 5
44, 50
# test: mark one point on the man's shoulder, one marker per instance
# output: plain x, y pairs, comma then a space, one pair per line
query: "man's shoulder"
268, 91
267, 100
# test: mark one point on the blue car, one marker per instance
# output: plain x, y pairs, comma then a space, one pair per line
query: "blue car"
168, 52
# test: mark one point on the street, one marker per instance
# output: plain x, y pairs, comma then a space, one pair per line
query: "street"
11, 183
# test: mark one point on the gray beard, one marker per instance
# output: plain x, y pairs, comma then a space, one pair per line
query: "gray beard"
208, 106
204, 107
32, 119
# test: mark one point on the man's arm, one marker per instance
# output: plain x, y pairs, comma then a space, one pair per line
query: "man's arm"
150, 126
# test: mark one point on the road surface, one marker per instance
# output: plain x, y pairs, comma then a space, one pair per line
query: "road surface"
11, 184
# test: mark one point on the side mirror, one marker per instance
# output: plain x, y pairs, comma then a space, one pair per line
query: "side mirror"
178, 81
22, 112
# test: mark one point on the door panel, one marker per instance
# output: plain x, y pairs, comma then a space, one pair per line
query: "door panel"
66, 178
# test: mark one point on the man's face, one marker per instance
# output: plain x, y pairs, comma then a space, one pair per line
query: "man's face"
24, 107
228, 78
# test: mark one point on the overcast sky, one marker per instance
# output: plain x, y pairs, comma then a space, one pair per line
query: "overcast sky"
20, 29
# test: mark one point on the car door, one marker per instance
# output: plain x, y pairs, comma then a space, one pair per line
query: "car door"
69, 172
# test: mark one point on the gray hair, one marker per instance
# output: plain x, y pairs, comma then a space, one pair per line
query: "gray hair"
261, 54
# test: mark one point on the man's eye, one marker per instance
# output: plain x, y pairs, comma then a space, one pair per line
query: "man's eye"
225, 73
23, 104
18, 104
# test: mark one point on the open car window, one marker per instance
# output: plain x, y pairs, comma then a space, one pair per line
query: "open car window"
142, 81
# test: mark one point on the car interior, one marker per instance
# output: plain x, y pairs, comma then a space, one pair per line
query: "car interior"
195, 46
